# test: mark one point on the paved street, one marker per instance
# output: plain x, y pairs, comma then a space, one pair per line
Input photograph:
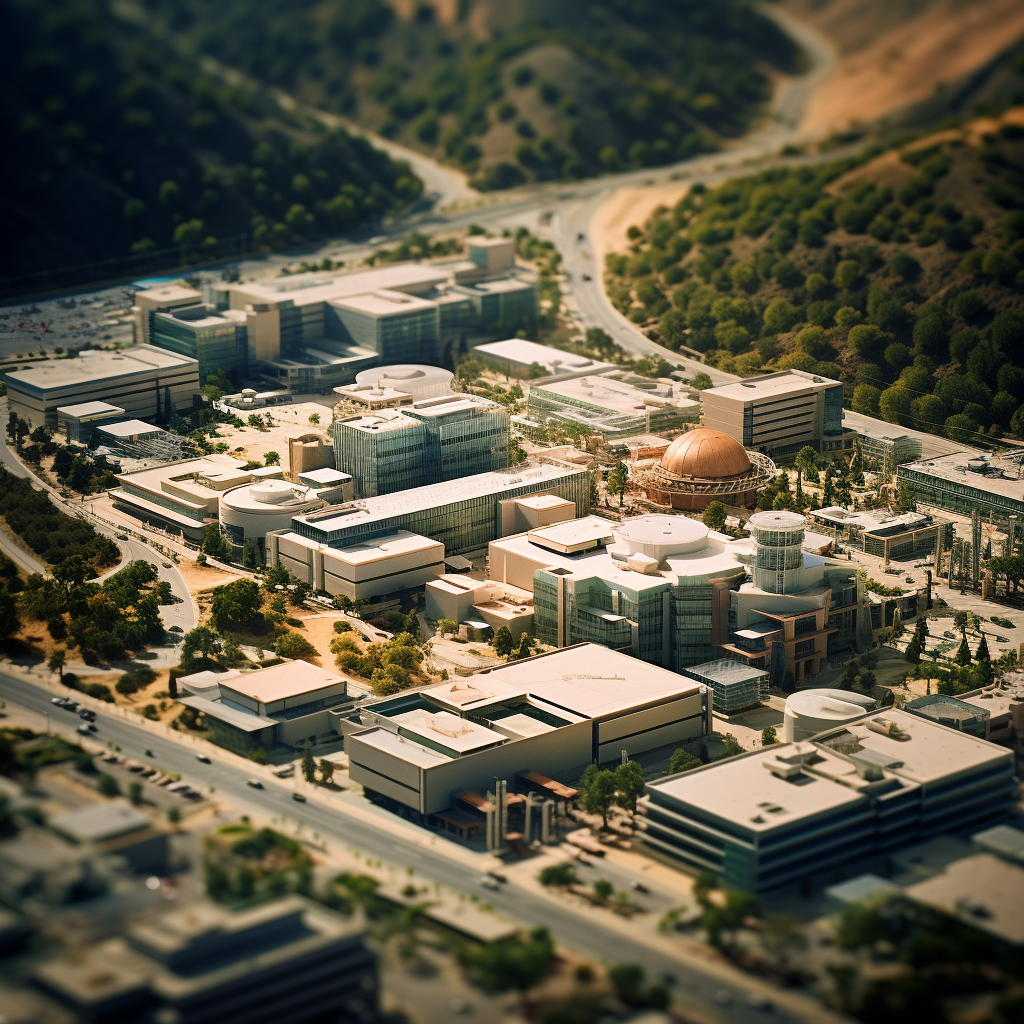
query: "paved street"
697, 981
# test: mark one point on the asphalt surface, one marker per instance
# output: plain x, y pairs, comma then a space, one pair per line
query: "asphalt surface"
689, 980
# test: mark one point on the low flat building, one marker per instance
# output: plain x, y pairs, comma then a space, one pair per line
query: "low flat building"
773, 816
278, 706
964, 481
145, 382
779, 413
884, 450
116, 829
879, 532
734, 685
463, 515
517, 357
288, 960
369, 569
77, 422
553, 714
463, 599
612, 404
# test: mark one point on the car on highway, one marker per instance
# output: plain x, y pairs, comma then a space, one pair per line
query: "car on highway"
203, 758
166, 565
488, 883
87, 714
83, 729
300, 797
255, 783
498, 876
59, 701
122, 536
70, 705
638, 887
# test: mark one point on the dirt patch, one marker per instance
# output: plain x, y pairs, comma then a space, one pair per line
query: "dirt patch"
199, 577
623, 208
898, 54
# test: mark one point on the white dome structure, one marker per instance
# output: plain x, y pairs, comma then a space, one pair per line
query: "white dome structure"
809, 712
253, 510
413, 379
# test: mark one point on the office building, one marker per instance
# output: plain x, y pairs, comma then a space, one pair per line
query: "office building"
670, 592
181, 496
734, 685
288, 960
280, 706
203, 334
779, 413
883, 450
145, 382
158, 299
904, 535
613, 405
517, 357
400, 328
77, 422
777, 815
967, 480
464, 515
480, 604
702, 466
416, 380
493, 255
551, 715
423, 443
369, 569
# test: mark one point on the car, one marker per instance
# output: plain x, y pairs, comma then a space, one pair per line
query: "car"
488, 883
255, 783
70, 705
497, 876
152, 566
300, 797
87, 714
122, 536
83, 729
949, 634
166, 565
638, 887
908, 579
203, 758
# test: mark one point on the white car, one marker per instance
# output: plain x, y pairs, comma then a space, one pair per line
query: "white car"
489, 883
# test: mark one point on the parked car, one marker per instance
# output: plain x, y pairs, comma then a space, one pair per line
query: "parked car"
59, 701
83, 729
70, 705
255, 783
300, 797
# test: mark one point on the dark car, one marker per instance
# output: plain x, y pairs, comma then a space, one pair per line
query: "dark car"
300, 797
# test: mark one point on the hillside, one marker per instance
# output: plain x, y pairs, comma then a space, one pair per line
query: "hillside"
900, 273
117, 145
509, 91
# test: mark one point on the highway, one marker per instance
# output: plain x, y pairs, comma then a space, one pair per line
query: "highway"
716, 990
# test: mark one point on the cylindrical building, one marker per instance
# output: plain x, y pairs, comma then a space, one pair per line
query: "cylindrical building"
778, 550
251, 511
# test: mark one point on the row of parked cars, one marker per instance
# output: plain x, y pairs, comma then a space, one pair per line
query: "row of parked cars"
151, 774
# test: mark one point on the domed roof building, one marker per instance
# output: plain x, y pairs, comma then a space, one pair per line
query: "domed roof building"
702, 466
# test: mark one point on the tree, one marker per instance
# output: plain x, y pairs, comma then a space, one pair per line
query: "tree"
626, 979
963, 654
214, 543
271, 459
866, 399
294, 645
597, 791
516, 453
558, 875
630, 782
618, 477
314, 418
446, 626
682, 761
308, 767
769, 736
326, 771
107, 785
237, 606
135, 793
715, 515
55, 663
503, 642
894, 405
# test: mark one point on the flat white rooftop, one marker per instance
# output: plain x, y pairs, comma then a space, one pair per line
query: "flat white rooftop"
526, 353
319, 287
772, 386
448, 730
590, 680
974, 469
100, 822
394, 545
210, 467
406, 750
325, 476
279, 682
129, 428
612, 395
574, 535
383, 303
94, 367
90, 409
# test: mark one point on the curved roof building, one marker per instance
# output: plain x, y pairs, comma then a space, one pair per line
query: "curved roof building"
702, 466
411, 379
809, 712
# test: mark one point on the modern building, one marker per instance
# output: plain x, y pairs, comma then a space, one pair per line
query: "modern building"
884, 450
159, 298
464, 515
77, 422
368, 569
281, 706
951, 712
127, 433
878, 532
734, 686
776, 815
249, 512
702, 466
614, 404
553, 715
809, 712
143, 381
309, 452
116, 829
517, 357
288, 960
779, 413
203, 334
182, 496
964, 481
994, 712
399, 327
416, 380
428, 442
670, 592
469, 601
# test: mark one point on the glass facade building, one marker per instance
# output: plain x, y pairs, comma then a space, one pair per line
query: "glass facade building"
194, 331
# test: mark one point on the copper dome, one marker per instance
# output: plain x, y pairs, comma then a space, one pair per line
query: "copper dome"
706, 455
